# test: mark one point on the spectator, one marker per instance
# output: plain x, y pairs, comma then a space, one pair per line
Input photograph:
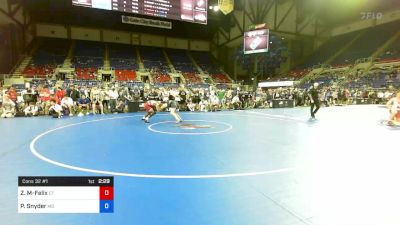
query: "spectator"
55, 110
12, 94
1, 96
203, 105
8, 108
182, 99
191, 106
73, 93
113, 93
106, 98
28, 97
236, 103
45, 98
68, 106
120, 107
214, 103
83, 103
60, 94
135, 94
31, 110
97, 100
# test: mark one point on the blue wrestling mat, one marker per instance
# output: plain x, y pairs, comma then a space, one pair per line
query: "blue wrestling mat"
255, 167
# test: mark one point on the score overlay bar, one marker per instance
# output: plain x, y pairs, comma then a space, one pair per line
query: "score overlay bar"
65, 194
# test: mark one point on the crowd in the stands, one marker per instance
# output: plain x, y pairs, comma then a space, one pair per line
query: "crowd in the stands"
74, 100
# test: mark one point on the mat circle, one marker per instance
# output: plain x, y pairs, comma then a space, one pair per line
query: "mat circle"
224, 127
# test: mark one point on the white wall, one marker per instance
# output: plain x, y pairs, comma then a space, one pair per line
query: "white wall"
123, 37
116, 36
177, 43
135, 39
88, 34
152, 40
199, 45
54, 31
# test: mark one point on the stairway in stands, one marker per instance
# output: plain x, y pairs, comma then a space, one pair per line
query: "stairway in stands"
106, 57
386, 46
139, 60
344, 48
25, 62
195, 63
315, 73
201, 72
17, 73
68, 60
170, 65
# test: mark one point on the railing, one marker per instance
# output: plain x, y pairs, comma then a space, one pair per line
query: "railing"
363, 60
106, 68
317, 66
16, 66
3, 77
61, 66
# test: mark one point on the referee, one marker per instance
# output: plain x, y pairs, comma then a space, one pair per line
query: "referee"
313, 94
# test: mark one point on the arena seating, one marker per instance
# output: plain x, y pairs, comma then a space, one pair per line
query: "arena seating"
161, 78
154, 61
181, 61
376, 79
89, 49
206, 62
327, 79
38, 71
220, 78
298, 73
50, 53
124, 61
86, 73
125, 75
368, 43
392, 54
192, 78
183, 64
328, 49
89, 56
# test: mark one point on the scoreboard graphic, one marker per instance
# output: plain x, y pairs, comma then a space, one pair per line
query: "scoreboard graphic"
256, 41
65, 194
194, 11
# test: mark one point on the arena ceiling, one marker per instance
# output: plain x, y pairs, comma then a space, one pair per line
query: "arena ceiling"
337, 12
329, 13
62, 12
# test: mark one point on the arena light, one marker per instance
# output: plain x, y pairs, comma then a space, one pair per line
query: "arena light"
216, 8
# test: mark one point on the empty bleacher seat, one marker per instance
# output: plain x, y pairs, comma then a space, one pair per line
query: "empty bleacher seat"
181, 61
192, 78
50, 53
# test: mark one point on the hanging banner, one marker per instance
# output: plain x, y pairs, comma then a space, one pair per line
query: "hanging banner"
226, 6
146, 22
